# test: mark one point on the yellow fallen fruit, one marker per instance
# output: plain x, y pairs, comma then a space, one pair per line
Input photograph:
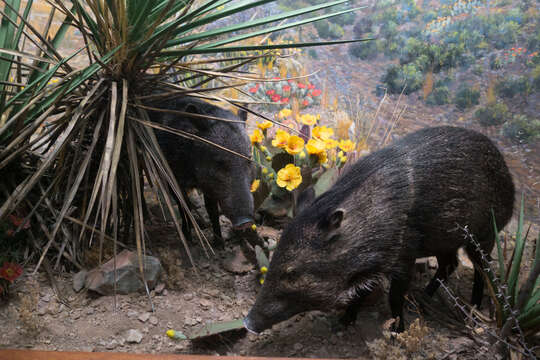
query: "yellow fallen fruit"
261, 281
176, 335
264, 270
253, 227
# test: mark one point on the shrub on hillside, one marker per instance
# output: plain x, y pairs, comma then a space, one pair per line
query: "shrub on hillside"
363, 27
439, 96
406, 78
522, 129
466, 97
492, 114
364, 50
328, 30
511, 86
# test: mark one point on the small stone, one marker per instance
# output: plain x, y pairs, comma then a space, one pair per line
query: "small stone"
298, 347
132, 313
165, 292
159, 288
205, 303
79, 279
188, 296
87, 348
179, 347
121, 341
75, 315
479, 330
46, 298
90, 311
244, 312
111, 345
134, 336
154, 320
199, 319
144, 317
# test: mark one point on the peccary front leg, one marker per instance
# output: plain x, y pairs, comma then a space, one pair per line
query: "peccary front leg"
212, 208
399, 285
446, 263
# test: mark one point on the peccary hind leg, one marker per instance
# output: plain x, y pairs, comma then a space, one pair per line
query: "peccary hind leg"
447, 263
476, 258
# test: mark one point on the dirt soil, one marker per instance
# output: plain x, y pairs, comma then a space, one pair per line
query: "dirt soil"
36, 318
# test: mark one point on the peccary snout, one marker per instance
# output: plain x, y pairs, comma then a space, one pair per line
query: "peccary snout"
405, 201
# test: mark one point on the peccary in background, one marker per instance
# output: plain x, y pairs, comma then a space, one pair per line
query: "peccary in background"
403, 202
223, 178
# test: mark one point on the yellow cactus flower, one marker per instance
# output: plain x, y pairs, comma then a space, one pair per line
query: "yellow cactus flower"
261, 280
330, 143
308, 119
347, 145
295, 144
340, 154
315, 146
256, 137
289, 177
263, 148
302, 155
271, 175
253, 227
323, 157
268, 158
343, 159
264, 125
281, 139
322, 132
255, 185
264, 270
264, 170
284, 113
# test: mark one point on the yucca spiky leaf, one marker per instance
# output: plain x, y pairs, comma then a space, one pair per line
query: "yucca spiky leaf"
101, 128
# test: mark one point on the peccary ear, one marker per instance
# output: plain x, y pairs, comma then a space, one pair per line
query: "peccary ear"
200, 124
242, 114
335, 218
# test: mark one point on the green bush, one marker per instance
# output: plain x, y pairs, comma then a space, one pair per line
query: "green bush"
509, 87
495, 63
535, 75
364, 50
328, 30
466, 97
405, 76
492, 114
521, 129
505, 35
343, 20
439, 96
363, 27
478, 70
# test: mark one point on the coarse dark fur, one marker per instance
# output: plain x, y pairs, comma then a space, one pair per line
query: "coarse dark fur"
223, 178
403, 202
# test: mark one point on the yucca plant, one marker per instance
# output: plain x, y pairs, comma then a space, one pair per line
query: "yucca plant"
76, 144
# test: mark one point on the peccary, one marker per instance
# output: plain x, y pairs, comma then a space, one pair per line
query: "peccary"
223, 178
400, 203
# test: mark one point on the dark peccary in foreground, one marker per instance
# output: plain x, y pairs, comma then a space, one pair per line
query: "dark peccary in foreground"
223, 178
403, 202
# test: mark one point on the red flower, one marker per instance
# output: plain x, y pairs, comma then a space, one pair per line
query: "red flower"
275, 98
270, 92
10, 271
311, 86
286, 88
305, 103
290, 81
316, 92
17, 221
301, 86
276, 78
253, 90
285, 100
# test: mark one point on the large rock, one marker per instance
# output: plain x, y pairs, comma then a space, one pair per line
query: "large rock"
128, 276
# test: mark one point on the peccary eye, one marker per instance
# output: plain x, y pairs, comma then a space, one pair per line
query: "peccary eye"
289, 269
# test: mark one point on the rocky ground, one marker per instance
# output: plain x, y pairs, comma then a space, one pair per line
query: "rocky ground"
41, 316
